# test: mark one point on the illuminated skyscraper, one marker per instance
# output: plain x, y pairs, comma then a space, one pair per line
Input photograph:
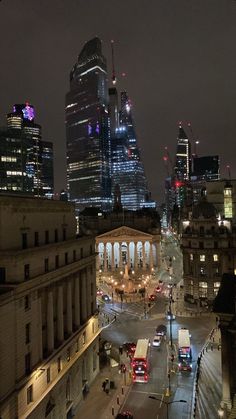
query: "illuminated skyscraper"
127, 167
25, 165
87, 134
183, 156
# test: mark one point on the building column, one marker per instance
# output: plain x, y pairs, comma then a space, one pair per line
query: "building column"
150, 256
40, 335
225, 356
50, 322
88, 293
128, 255
60, 317
143, 255
105, 257
135, 255
68, 308
83, 296
112, 256
120, 256
77, 303
158, 254
98, 261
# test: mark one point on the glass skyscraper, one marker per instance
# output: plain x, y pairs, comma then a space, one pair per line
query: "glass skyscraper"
127, 167
87, 130
183, 156
25, 165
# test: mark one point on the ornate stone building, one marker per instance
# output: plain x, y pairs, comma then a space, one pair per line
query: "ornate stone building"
48, 324
209, 250
125, 245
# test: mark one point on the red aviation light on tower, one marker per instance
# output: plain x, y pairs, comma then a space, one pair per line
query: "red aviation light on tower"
178, 184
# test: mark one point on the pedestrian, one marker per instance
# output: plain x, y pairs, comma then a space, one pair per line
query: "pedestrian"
120, 349
115, 317
104, 385
206, 349
107, 386
212, 346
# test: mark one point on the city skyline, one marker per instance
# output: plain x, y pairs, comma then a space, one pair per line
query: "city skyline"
177, 59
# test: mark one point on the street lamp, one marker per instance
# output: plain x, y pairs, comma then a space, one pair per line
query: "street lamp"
167, 403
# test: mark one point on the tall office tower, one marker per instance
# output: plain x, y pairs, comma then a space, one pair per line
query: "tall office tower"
22, 155
113, 111
183, 156
87, 133
127, 168
206, 168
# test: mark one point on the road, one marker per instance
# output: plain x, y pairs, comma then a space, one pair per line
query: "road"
131, 325
131, 328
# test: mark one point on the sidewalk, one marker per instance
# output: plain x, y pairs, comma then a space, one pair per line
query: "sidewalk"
98, 404
208, 379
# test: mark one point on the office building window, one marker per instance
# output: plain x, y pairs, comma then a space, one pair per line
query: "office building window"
48, 375
26, 271
77, 346
27, 363
81, 253
202, 271
74, 255
66, 258
46, 265
27, 333
216, 288
46, 237
24, 241
30, 394
57, 261
91, 249
202, 258
68, 355
202, 289
215, 258
191, 256
56, 235
36, 238
64, 234
201, 245
84, 338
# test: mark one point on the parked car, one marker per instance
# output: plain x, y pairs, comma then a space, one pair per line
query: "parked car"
105, 297
99, 292
157, 341
170, 316
152, 297
158, 289
161, 330
129, 347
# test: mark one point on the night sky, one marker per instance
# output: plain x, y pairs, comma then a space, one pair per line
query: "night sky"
179, 57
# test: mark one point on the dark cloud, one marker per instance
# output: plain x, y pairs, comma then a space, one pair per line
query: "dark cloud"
179, 57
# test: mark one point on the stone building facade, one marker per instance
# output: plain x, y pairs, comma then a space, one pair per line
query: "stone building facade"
127, 246
49, 327
209, 250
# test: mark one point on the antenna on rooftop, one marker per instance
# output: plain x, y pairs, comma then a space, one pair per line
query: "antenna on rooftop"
113, 64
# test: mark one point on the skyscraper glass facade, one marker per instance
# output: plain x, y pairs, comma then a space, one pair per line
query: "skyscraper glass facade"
127, 167
87, 130
22, 155
183, 156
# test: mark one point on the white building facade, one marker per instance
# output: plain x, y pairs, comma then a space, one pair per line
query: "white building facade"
127, 246
48, 320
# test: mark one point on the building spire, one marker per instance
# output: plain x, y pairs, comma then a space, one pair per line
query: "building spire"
113, 64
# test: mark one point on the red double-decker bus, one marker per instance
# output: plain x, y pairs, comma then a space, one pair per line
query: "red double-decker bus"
140, 361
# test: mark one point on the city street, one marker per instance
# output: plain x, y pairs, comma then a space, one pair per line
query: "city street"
128, 329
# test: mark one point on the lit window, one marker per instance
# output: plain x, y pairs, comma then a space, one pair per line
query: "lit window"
202, 258
191, 256
215, 258
203, 289
216, 287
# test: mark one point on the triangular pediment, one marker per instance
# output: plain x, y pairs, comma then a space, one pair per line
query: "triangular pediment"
123, 233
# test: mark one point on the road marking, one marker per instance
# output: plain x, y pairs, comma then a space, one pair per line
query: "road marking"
147, 392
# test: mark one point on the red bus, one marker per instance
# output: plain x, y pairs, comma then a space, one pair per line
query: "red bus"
140, 361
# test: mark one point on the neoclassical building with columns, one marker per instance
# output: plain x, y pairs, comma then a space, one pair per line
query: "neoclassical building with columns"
127, 246
48, 318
